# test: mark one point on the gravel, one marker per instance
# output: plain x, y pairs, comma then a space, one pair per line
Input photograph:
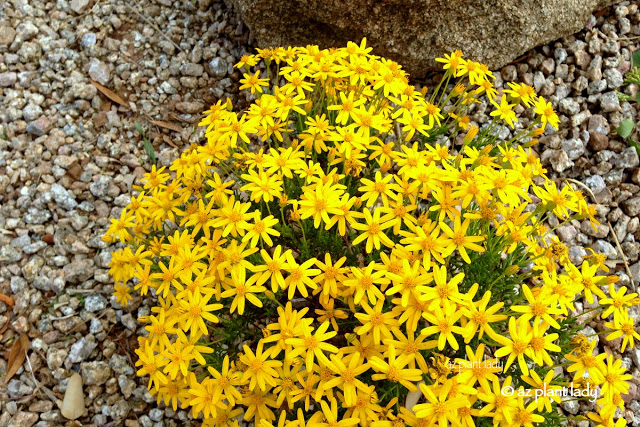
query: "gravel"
71, 157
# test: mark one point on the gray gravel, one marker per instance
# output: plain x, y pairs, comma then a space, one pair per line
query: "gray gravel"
67, 164
71, 156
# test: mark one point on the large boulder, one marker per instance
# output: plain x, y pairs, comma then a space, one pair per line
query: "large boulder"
414, 32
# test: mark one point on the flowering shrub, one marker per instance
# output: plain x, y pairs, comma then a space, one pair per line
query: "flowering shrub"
351, 250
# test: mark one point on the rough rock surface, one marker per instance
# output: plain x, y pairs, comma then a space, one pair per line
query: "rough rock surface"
415, 32
67, 172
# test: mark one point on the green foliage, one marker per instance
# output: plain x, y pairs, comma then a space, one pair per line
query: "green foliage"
148, 147
628, 127
635, 59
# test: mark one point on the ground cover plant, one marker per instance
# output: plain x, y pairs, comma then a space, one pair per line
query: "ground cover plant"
351, 250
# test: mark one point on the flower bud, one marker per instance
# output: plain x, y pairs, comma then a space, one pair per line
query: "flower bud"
512, 269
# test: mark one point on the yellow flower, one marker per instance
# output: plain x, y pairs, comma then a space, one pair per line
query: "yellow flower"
476, 368
502, 402
541, 306
300, 276
521, 93
260, 371
272, 268
545, 110
414, 123
169, 277
541, 341
439, 408
253, 82
258, 402
459, 238
225, 382
623, 326
347, 370
201, 398
408, 281
262, 228
375, 321
150, 363
329, 417
426, 239
174, 392
480, 317
443, 323
618, 302
345, 215
122, 293
160, 326
614, 380
525, 415
373, 231
118, 227
451, 62
546, 393
586, 277
197, 310
516, 346
262, 185
179, 356
246, 61
328, 313
504, 111
395, 370
380, 188
411, 346
587, 362
331, 274
286, 384
364, 282
307, 391
243, 290
234, 218
473, 70
346, 107
312, 345
319, 203
235, 129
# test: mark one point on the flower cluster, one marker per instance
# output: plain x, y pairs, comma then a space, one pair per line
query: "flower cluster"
352, 250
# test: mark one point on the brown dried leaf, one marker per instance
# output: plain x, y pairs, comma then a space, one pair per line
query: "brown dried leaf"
168, 140
74, 171
17, 356
100, 119
106, 107
174, 116
166, 125
7, 300
599, 13
110, 94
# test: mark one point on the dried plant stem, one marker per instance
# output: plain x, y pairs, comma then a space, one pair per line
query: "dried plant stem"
155, 27
613, 233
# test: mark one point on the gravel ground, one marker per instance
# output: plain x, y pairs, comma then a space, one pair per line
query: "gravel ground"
69, 156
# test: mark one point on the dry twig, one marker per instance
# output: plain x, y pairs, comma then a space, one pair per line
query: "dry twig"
155, 27
613, 233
